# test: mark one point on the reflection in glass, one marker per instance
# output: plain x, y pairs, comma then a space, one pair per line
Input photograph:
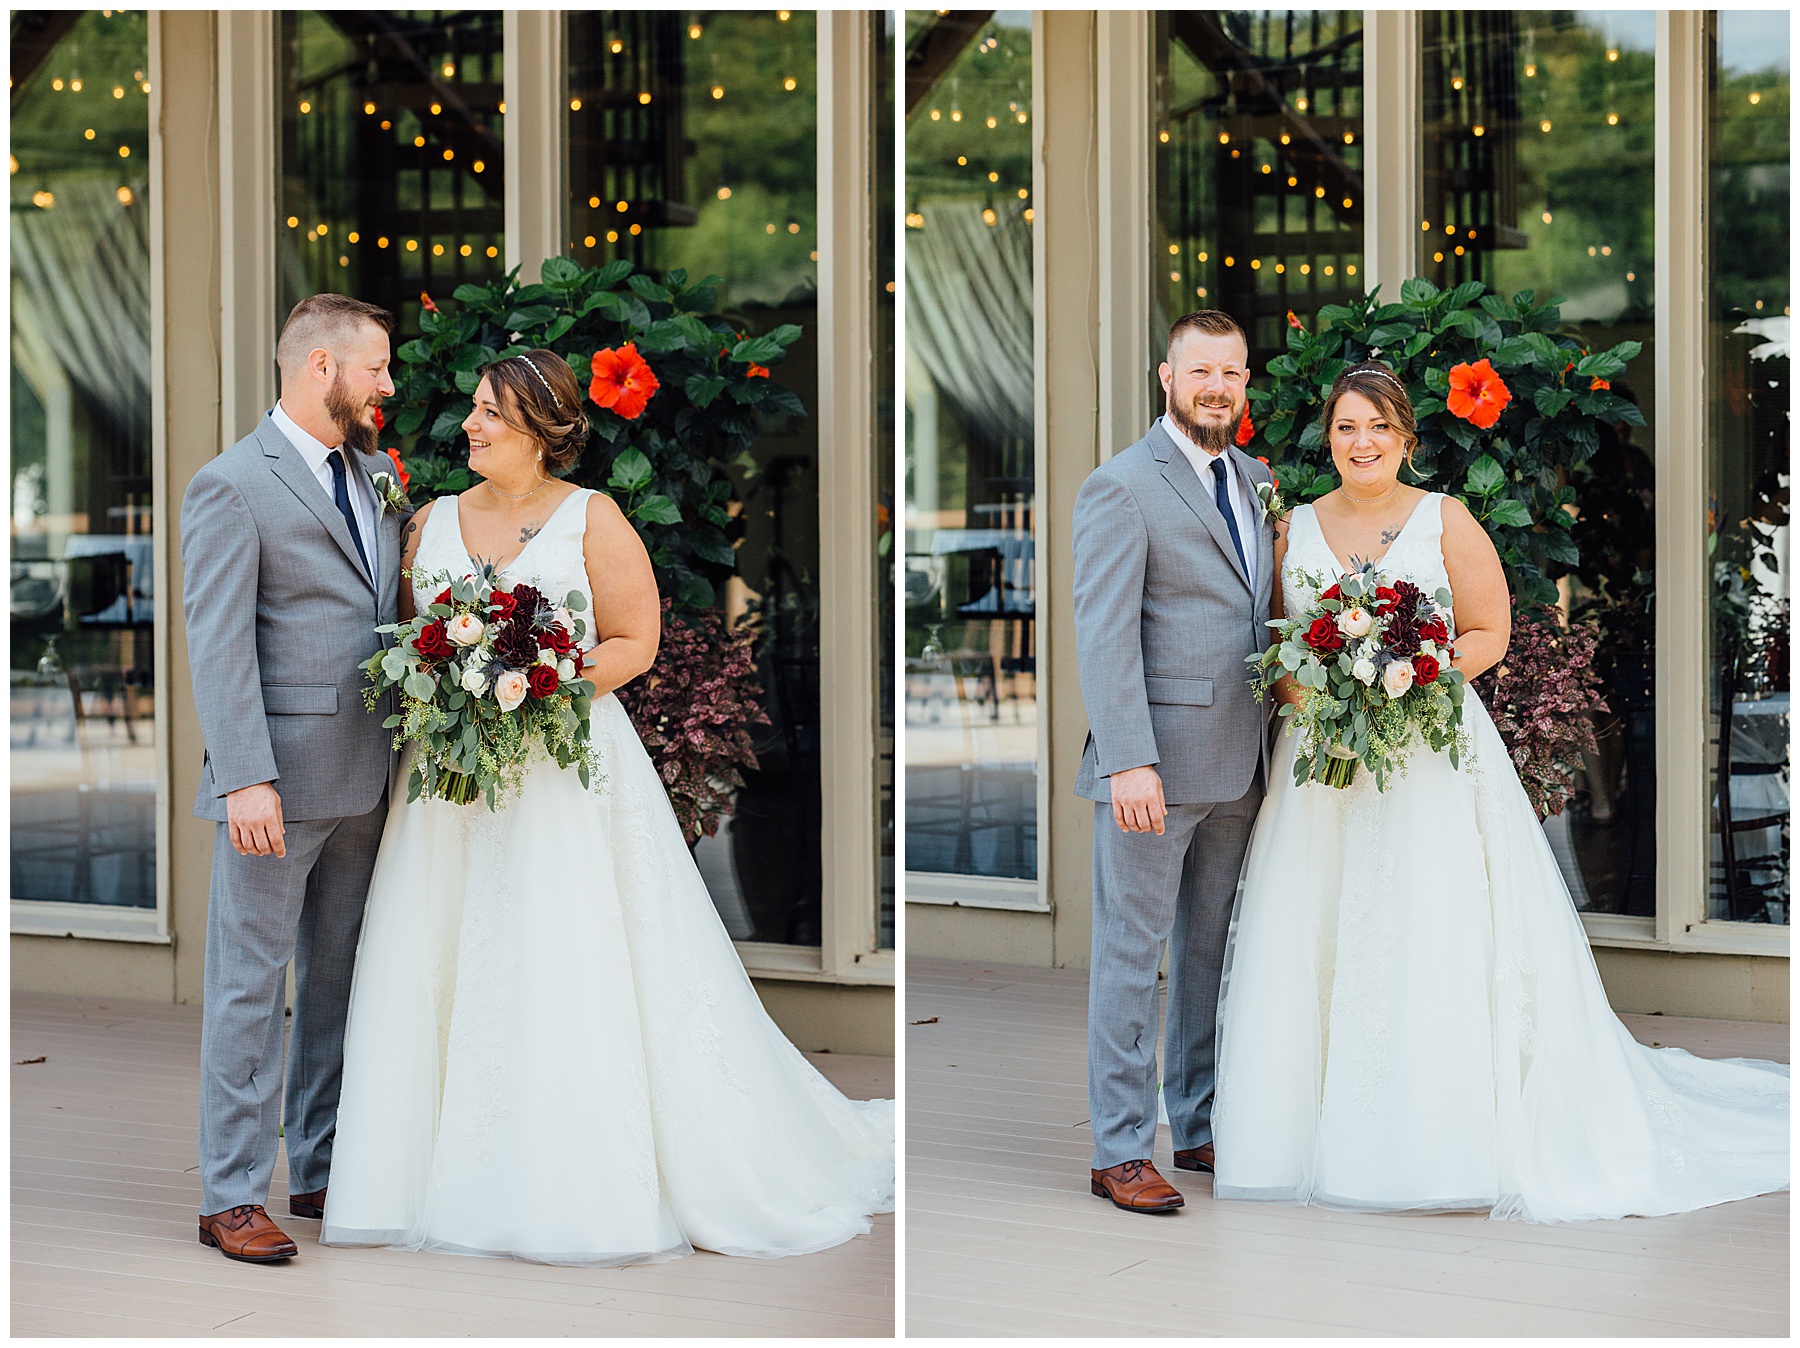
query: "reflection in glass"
881, 131
1537, 167
692, 140
971, 599
84, 730
1747, 464
1258, 119
391, 156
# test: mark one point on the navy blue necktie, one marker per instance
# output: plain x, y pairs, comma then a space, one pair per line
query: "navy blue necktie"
341, 489
1223, 497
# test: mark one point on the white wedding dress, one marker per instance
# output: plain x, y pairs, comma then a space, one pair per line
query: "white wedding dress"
1411, 1018
553, 1051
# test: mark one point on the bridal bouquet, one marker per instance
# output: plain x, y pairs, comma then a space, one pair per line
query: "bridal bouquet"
1373, 663
486, 671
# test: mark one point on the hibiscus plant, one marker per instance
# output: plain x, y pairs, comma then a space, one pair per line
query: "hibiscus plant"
1507, 405
676, 393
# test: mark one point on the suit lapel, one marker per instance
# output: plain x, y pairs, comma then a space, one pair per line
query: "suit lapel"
1180, 475
291, 467
1265, 530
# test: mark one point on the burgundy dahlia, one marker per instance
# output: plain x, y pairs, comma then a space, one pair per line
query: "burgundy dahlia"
515, 643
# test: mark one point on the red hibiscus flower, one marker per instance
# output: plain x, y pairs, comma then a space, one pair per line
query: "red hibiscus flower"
542, 681
1477, 393
399, 463
425, 300
1599, 384
757, 372
623, 381
1245, 430
381, 423
433, 642
1295, 323
1425, 669
1323, 635
501, 605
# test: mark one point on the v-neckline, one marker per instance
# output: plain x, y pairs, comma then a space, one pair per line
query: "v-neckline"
1343, 570
470, 557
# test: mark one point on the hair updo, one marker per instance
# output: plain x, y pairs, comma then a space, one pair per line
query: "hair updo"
1381, 386
539, 396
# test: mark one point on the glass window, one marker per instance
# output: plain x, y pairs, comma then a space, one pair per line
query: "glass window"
1747, 462
1258, 119
881, 132
84, 729
692, 142
970, 578
1537, 173
391, 160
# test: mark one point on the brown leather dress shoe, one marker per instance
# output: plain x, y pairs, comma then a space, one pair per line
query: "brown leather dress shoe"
245, 1232
1136, 1187
307, 1205
1196, 1158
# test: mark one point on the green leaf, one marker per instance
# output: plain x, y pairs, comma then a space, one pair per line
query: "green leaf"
410, 420
613, 272
466, 381
1510, 512
415, 352
712, 545
555, 332
610, 303
1465, 294
630, 471
1514, 351
701, 389
1550, 400
657, 509
643, 286
1417, 292
1389, 333
449, 423
1485, 477
561, 272
421, 686
1419, 342
528, 316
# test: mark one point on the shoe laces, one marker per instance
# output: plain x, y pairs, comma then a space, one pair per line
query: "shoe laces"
243, 1214
1132, 1171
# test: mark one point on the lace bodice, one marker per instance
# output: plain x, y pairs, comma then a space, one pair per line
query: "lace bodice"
552, 562
1416, 555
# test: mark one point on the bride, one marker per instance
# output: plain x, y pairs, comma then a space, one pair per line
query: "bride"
1411, 1018
553, 1051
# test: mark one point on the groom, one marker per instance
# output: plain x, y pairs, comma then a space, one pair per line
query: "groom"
292, 559
1173, 556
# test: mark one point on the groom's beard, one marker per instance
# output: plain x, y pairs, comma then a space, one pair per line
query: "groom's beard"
1214, 436
346, 413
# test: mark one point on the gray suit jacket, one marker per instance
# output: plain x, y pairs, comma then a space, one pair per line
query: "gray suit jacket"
280, 614
1164, 617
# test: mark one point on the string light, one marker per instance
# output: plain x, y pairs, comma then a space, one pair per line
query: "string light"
124, 152
1256, 264
436, 108
1479, 129
1348, 203
1224, 138
1280, 268
478, 166
449, 70
1546, 217
790, 84
1268, 168
465, 250
88, 134
962, 160
449, 155
612, 236
75, 86
437, 250
724, 194
1612, 119
1293, 181
1544, 126
1285, 138
369, 109
1318, 191
993, 122
1330, 271
493, 251
56, 85
1530, 72
1456, 82
1305, 269
936, 115
1231, 262
387, 125
381, 242
988, 215
355, 237
1174, 250
993, 177
1631, 276
1200, 257
1612, 54
793, 228
574, 105
1174, 276
1459, 250
43, 200
956, 114
125, 196
616, 46
305, 107
1755, 98
694, 31
1350, 270
412, 245
343, 261
644, 97
293, 222
1437, 257
588, 242
637, 229
718, 91
418, 142
118, 91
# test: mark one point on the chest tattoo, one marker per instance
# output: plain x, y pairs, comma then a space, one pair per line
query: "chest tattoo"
529, 532
1389, 535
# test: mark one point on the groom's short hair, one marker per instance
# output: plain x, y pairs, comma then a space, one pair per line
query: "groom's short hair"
325, 321
1208, 322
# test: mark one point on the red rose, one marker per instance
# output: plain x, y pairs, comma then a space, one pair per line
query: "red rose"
501, 605
1323, 635
542, 681
443, 598
1437, 629
1335, 592
1385, 599
433, 642
556, 638
1425, 668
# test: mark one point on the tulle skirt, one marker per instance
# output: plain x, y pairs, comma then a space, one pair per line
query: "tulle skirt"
553, 1051
1411, 1020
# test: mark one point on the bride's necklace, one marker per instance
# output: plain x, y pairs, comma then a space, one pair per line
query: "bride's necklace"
1377, 500
520, 496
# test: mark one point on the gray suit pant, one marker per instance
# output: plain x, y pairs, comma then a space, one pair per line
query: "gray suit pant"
1175, 890
264, 911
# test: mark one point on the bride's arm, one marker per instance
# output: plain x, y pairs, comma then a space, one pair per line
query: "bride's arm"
627, 616
1285, 689
410, 535
1483, 606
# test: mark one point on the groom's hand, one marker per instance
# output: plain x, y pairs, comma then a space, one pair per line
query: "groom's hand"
1137, 800
253, 814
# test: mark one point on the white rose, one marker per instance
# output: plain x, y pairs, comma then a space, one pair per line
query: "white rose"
1355, 622
510, 689
465, 630
547, 657
1363, 671
563, 616
1397, 678
565, 670
474, 681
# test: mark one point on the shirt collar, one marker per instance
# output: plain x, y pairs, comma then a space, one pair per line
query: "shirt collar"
312, 450
1196, 455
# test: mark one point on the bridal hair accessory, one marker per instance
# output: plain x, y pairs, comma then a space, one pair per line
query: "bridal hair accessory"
545, 382
1379, 373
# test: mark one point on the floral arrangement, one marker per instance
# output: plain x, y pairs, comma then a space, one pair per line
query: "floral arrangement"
1541, 697
1506, 405
692, 711
488, 670
1373, 664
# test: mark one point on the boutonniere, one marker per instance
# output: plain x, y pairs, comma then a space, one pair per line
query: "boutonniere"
1269, 493
389, 489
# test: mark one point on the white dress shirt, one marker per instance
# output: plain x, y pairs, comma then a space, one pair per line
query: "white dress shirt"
1238, 491
316, 452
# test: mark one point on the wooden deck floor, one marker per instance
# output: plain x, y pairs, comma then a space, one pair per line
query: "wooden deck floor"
1004, 1238
105, 1188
